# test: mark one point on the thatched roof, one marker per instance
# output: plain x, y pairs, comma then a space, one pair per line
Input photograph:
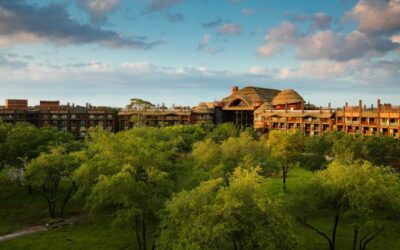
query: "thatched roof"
287, 96
264, 107
203, 108
250, 96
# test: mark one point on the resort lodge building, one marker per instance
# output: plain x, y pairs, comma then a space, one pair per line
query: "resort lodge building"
262, 108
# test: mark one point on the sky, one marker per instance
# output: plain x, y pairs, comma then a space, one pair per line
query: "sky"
182, 52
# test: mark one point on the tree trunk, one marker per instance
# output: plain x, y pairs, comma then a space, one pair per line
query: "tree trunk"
144, 234
67, 198
364, 247
234, 243
355, 238
284, 172
319, 232
138, 239
335, 228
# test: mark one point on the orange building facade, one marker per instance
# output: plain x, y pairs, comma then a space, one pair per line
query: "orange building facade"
262, 108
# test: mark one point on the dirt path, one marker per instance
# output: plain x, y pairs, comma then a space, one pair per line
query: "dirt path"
38, 229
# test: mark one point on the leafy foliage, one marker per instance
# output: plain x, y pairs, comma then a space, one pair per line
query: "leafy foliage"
239, 216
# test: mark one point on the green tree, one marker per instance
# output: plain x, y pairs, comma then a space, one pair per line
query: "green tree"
129, 175
220, 160
383, 150
46, 173
316, 149
4, 130
25, 142
188, 134
348, 148
287, 148
368, 196
140, 106
216, 216
223, 132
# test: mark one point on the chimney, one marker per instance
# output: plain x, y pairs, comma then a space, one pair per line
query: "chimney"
286, 108
302, 107
379, 105
320, 109
235, 89
359, 105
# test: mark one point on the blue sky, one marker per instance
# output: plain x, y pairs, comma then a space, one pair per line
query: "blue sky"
186, 51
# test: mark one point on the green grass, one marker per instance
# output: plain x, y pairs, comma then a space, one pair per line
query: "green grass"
18, 209
97, 234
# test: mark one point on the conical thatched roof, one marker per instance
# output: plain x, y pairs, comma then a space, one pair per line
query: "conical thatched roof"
287, 96
203, 108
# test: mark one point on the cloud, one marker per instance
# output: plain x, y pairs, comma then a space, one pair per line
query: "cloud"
230, 29
203, 45
340, 47
395, 38
319, 21
175, 17
353, 72
158, 5
10, 60
212, 23
277, 39
377, 16
248, 11
98, 9
325, 44
25, 23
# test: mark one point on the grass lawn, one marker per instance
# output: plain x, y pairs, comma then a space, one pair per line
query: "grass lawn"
96, 234
18, 209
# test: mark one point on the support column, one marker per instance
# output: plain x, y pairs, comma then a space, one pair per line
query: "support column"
378, 118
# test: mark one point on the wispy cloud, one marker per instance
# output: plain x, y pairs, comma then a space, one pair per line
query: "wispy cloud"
98, 9
158, 5
230, 29
212, 23
204, 45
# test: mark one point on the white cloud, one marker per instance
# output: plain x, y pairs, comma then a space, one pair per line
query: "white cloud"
98, 9
377, 16
231, 29
277, 39
204, 45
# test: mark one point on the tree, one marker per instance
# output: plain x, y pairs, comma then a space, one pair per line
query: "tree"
140, 106
348, 148
287, 148
223, 132
216, 216
25, 142
129, 175
47, 171
367, 195
188, 134
316, 149
382, 150
4, 130
220, 160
